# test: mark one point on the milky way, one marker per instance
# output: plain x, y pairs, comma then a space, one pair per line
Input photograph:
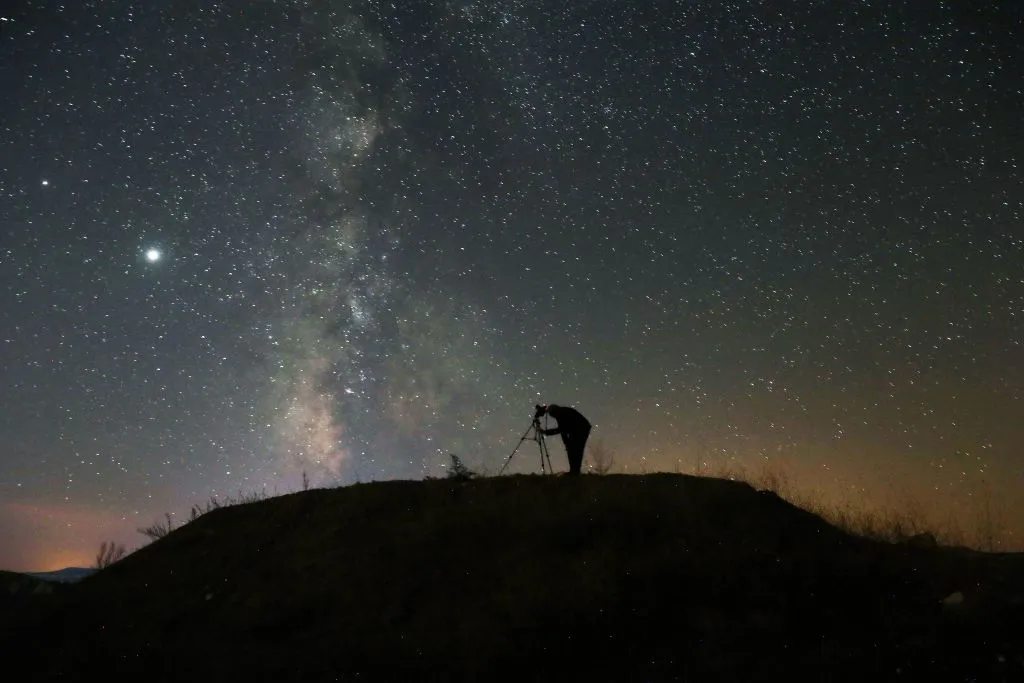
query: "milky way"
244, 241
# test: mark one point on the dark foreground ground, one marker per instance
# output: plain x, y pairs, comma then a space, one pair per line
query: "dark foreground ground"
526, 578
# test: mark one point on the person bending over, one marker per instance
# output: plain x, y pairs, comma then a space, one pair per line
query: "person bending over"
573, 428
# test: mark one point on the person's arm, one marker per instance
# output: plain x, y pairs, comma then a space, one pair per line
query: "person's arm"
551, 432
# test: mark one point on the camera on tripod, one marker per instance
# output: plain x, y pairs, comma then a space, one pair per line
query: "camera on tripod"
534, 433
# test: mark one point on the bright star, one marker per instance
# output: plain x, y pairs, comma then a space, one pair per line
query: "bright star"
153, 255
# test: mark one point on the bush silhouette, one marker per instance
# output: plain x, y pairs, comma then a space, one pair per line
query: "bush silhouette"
459, 471
109, 554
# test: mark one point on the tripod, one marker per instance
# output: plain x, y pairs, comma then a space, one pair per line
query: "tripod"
538, 436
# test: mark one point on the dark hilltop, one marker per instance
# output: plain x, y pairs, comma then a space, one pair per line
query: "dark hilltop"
656, 577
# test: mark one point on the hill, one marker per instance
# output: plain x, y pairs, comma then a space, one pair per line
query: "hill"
615, 578
17, 590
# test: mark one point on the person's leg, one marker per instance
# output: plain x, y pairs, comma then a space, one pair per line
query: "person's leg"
567, 442
574, 449
580, 442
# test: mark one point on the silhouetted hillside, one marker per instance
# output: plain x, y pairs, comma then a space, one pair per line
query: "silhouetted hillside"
615, 578
21, 589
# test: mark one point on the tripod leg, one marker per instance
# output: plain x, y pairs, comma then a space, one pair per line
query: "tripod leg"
521, 440
544, 454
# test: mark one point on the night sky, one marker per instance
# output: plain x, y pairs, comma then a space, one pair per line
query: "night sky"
240, 241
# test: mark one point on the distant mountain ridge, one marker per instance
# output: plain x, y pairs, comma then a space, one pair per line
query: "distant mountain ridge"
66, 575
21, 588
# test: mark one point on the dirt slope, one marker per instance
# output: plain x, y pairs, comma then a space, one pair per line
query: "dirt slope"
617, 578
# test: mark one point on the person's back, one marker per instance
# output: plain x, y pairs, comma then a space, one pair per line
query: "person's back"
569, 419
574, 429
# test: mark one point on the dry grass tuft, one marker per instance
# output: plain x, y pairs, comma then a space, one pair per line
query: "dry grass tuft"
981, 528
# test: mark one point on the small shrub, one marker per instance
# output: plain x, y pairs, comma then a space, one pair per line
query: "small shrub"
601, 459
109, 554
159, 529
199, 510
459, 471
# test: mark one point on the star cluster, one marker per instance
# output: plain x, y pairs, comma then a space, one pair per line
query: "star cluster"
244, 241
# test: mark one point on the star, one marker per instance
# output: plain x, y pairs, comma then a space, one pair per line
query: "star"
153, 255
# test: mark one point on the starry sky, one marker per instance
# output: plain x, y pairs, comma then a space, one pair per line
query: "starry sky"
244, 240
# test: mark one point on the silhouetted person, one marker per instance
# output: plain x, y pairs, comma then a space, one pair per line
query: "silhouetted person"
574, 429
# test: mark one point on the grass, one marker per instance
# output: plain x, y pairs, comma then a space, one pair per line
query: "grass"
981, 529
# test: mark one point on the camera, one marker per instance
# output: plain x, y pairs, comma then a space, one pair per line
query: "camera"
534, 433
